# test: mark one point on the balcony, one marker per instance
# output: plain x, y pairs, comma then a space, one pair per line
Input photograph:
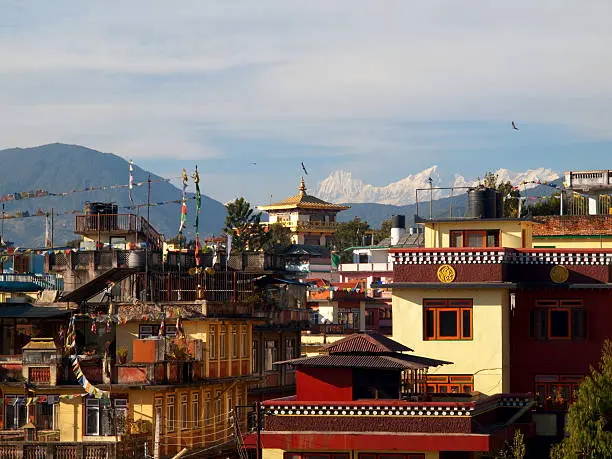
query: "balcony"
366, 267
91, 224
168, 372
48, 449
10, 281
315, 226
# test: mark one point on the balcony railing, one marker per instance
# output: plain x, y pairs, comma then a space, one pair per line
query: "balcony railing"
172, 372
316, 226
64, 450
366, 267
46, 281
105, 223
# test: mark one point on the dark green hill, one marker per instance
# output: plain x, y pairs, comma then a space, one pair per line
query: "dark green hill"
59, 168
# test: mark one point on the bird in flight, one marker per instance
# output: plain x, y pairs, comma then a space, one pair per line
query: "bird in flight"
304, 169
254, 164
514, 126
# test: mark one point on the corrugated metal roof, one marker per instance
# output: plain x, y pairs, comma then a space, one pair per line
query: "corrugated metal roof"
365, 343
26, 310
97, 285
356, 361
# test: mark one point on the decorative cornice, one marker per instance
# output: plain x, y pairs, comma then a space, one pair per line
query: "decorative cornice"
425, 409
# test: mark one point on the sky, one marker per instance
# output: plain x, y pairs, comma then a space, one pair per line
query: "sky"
380, 89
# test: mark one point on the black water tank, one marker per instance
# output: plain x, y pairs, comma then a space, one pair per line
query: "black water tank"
398, 221
482, 203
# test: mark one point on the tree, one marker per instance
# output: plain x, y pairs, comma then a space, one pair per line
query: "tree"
589, 420
349, 234
244, 225
514, 450
509, 194
278, 238
384, 231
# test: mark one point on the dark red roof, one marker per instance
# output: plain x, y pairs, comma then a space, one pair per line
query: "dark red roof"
572, 225
365, 343
390, 362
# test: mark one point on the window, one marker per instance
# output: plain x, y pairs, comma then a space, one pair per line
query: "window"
363, 258
558, 319
244, 344
212, 345
170, 416
184, 412
271, 354
255, 356
450, 384
15, 413
290, 350
447, 320
44, 416
475, 238
234, 343
218, 413
208, 415
195, 410
555, 392
159, 410
152, 331
223, 344
101, 419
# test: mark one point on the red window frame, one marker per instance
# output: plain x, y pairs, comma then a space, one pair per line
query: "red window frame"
433, 308
308, 455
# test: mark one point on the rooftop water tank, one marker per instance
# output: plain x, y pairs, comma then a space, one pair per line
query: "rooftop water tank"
482, 203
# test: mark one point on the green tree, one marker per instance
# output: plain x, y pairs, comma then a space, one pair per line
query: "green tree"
514, 450
506, 189
278, 238
244, 225
349, 234
384, 231
589, 420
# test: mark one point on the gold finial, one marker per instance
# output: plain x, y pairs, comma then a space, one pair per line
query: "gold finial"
302, 186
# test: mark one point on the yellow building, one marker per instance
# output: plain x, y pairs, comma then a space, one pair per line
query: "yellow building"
457, 319
176, 383
311, 220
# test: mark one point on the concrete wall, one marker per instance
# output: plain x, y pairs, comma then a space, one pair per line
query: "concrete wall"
588, 242
486, 356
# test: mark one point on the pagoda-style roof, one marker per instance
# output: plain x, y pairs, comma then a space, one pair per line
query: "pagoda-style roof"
361, 343
366, 350
303, 201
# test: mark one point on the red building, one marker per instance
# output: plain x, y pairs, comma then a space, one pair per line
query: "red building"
366, 398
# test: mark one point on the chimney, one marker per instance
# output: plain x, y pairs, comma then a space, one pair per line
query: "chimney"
398, 228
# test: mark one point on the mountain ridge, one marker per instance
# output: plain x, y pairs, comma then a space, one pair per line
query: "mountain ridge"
340, 186
59, 168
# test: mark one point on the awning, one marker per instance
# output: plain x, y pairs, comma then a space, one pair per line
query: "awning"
28, 311
97, 285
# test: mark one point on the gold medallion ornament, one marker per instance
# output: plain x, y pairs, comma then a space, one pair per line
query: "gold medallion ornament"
559, 274
446, 274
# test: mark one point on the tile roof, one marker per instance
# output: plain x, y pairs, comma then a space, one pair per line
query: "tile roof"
303, 201
397, 361
572, 225
365, 343
355, 361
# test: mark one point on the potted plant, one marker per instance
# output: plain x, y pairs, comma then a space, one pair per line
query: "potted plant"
122, 353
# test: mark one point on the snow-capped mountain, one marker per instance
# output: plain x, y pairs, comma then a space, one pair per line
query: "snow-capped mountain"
340, 186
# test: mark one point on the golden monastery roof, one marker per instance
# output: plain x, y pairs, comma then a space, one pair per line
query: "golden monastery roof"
303, 201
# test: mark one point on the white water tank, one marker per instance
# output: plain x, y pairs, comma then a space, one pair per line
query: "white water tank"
398, 228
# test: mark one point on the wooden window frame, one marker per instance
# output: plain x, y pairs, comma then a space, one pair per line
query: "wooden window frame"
464, 238
459, 306
444, 384
540, 317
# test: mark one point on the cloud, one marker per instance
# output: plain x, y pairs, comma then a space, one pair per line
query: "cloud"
331, 79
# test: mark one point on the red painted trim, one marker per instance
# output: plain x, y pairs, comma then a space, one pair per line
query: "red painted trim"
291, 401
495, 249
392, 441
